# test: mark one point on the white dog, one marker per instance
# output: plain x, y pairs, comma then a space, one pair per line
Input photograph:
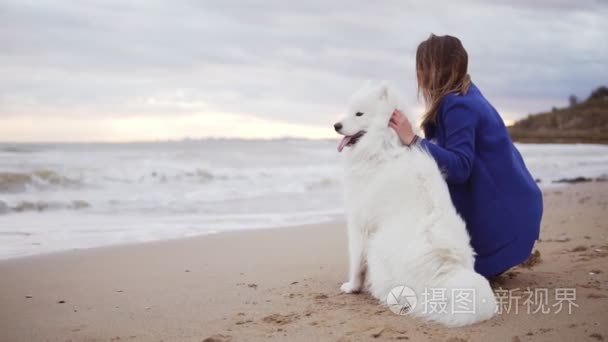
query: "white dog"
402, 227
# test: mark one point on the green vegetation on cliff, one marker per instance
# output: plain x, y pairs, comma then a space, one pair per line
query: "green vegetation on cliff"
584, 122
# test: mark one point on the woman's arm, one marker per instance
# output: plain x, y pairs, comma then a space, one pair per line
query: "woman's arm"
455, 159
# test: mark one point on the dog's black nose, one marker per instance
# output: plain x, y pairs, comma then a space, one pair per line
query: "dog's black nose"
338, 127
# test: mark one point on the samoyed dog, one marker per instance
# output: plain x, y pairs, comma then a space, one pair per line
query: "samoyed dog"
402, 227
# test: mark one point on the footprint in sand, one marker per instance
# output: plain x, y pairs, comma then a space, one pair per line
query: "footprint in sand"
218, 338
532, 261
456, 339
320, 296
597, 336
561, 239
250, 285
243, 321
580, 248
278, 319
385, 332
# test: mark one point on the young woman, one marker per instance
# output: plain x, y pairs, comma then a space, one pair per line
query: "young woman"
489, 183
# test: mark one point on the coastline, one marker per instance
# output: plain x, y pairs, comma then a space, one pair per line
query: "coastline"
283, 283
583, 140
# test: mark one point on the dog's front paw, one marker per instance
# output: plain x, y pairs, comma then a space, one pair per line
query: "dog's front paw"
349, 287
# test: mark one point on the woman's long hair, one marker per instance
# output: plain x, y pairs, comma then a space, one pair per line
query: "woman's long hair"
441, 68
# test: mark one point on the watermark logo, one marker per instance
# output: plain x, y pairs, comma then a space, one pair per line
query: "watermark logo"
401, 300
537, 300
454, 301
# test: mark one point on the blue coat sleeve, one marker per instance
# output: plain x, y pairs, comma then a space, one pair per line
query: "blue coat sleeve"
456, 158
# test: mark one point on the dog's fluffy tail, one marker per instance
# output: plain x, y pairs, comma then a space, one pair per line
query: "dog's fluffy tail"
467, 299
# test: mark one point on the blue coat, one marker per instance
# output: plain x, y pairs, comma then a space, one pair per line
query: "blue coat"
489, 183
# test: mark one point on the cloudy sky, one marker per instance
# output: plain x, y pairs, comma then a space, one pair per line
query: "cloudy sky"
114, 70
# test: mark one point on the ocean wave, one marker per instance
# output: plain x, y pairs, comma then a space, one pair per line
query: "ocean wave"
202, 175
197, 176
40, 206
222, 175
18, 148
323, 184
38, 179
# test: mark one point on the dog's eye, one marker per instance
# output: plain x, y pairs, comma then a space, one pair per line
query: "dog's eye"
359, 114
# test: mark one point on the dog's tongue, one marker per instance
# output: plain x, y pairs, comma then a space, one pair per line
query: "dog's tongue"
344, 142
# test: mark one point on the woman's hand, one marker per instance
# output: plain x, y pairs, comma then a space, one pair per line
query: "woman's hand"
402, 126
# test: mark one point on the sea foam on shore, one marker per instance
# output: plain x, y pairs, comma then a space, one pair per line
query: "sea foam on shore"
64, 196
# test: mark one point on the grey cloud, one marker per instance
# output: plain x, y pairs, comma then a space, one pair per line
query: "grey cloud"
289, 61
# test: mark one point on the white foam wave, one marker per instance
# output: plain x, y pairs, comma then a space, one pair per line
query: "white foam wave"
63, 196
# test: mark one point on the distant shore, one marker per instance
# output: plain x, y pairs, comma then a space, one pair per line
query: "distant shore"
282, 284
583, 122
531, 138
555, 136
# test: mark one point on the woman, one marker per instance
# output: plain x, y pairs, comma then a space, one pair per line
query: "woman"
489, 183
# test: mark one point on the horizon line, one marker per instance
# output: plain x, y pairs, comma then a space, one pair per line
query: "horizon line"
147, 141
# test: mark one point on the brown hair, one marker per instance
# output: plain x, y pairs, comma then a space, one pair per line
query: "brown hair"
441, 68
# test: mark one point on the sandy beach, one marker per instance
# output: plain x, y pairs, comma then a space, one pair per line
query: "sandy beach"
283, 284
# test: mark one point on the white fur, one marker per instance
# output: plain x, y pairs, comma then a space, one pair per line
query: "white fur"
402, 226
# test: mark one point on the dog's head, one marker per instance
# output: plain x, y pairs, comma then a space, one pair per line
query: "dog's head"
369, 110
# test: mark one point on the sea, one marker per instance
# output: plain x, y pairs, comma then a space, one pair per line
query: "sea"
58, 197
